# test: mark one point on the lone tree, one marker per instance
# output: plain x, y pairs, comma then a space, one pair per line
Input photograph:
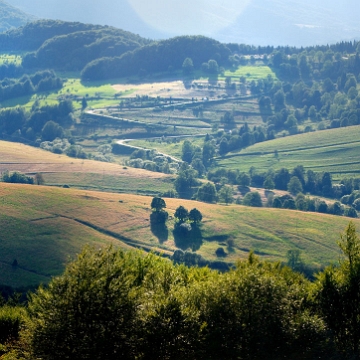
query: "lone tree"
188, 66
181, 214
195, 216
157, 204
39, 179
158, 215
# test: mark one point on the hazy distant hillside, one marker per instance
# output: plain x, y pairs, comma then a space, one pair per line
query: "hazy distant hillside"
262, 22
11, 17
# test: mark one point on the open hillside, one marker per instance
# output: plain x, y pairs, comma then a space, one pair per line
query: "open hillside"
338, 150
43, 227
12, 17
62, 170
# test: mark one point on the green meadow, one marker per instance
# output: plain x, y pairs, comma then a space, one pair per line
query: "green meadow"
336, 151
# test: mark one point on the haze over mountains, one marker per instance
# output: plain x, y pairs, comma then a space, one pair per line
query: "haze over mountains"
258, 22
12, 17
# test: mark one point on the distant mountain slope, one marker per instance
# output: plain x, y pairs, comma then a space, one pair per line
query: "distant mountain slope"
263, 22
33, 35
11, 17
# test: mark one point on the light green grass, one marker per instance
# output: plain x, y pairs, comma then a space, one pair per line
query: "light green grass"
12, 58
336, 151
250, 72
170, 148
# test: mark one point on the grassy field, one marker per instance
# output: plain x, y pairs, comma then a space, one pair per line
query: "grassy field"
250, 73
171, 147
336, 151
86, 174
44, 227
10, 59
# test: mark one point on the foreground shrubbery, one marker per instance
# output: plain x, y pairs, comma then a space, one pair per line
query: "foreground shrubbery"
109, 305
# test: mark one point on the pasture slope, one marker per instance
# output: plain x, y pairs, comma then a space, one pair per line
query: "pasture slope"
85, 174
336, 151
44, 227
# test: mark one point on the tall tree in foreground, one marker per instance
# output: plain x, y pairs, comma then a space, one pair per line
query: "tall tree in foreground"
339, 295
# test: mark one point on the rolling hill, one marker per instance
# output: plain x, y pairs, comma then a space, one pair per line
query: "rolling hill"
44, 227
338, 150
12, 17
62, 170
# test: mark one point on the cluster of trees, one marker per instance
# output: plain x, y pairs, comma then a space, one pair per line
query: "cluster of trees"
159, 57
313, 85
187, 232
153, 161
306, 203
29, 84
16, 177
110, 304
42, 123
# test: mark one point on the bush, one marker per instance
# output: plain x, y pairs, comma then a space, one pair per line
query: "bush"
11, 320
220, 252
252, 199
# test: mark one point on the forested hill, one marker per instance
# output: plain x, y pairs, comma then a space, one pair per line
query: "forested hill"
11, 17
32, 36
159, 56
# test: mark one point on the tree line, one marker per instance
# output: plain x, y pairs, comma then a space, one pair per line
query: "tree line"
110, 304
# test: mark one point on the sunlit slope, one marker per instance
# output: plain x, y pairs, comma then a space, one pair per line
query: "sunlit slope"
85, 174
43, 227
336, 151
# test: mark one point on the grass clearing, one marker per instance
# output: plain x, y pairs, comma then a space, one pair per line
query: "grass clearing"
171, 147
336, 151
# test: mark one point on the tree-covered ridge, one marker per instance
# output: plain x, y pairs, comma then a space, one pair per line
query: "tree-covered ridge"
31, 36
159, 56
73, 51
11, 17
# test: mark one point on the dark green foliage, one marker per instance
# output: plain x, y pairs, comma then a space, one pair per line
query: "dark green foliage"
74, 50
207, 193
252, 199
157, 57
12, 318
338, 295
220, 252
181, 214
88, 312
51, 131
185, 183
195, 216
158, 219
110, 304
157, 204
16, 178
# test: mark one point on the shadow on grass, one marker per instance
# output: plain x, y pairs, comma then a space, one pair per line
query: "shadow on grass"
187, 236
160, 231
